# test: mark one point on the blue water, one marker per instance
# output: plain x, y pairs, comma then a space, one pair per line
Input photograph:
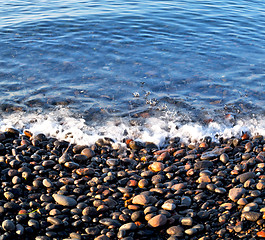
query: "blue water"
122, 58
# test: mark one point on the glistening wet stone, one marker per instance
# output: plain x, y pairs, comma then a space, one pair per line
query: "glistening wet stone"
200, 190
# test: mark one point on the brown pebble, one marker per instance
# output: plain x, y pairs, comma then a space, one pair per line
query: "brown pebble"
157, 221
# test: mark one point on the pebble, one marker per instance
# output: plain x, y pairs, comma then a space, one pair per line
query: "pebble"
141, 199
8, 225
64, 200
250, 216
56, 190
186, 221
245, 176
168, 206
236, 193
157, 221
128, 227
177, 231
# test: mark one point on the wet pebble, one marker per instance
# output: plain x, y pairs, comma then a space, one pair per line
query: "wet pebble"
64, 200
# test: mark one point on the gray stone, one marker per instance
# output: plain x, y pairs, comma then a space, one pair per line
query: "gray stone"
205, 164
177, 231
236, 193
250, 216
64, 200
8, 225
245, 176
128, 227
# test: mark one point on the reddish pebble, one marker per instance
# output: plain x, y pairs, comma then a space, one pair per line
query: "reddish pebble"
132, 183
261, 234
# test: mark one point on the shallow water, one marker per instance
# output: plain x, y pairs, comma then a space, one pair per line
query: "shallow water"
144, 69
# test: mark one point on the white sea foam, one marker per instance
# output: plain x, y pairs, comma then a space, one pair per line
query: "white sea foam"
62, 124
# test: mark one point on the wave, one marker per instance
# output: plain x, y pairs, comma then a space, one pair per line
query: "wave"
66, 125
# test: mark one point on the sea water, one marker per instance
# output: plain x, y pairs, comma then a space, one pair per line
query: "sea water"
147, 70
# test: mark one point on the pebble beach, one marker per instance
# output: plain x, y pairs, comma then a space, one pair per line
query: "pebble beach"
52, 189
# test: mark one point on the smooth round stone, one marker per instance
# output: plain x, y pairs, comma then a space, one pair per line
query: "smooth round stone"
110, 222
209, 155
54, 221
157, 166
227, 206
203, 214
42, 238
157, 221
168, 206
141, 199
92, 231
186, 201
54, 212
220, 190
250, 207
64, 200
239, 227
19, 229
250, 216
90, 211
113, 162
178, 186
260, 186
47, 183
242, 201
128, 227
34, 224
224, 158
88, 152
191, 231
137, 216
80, 158
8, 195
8, 225
186, 221
85, 171
102, 237
150, 209
177, 231
236, 193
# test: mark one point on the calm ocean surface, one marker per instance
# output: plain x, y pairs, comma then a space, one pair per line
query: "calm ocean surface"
133, 66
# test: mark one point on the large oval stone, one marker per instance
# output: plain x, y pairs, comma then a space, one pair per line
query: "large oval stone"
157, 221
64, 200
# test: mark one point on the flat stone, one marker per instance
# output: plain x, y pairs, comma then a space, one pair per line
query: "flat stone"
64, 200
245, 176
236, 193
113, 162
157, 221
250, 207
85, 171
205, 164
208, 156
168, 206
250, 216
186, 221
108, 222
54, 221
128, 226
178, 186
141, 199
177, 231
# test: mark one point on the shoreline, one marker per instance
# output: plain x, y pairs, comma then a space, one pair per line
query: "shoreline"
52, 189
